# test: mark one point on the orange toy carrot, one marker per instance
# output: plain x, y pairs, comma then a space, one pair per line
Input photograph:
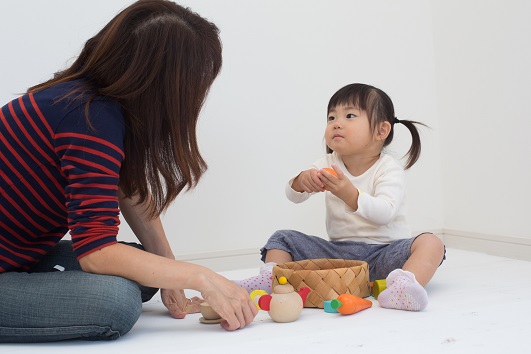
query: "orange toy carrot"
347, 304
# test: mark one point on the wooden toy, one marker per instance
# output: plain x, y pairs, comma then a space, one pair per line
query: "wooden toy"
377, 287
347, 304
209, 315
284, 304
327, 305
255, 296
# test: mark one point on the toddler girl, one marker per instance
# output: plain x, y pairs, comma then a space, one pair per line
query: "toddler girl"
365, 203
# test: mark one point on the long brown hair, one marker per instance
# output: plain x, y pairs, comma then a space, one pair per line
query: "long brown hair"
158, 60
379, 108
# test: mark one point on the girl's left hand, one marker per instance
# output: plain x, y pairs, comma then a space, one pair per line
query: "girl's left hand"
178, 304
340, 186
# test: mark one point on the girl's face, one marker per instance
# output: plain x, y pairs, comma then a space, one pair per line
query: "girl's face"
348, 131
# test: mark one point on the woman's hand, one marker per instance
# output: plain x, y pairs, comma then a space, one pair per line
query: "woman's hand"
230, 301
340, 186
308, 181
178, 304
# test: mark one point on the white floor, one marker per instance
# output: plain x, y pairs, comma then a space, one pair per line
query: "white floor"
478, 303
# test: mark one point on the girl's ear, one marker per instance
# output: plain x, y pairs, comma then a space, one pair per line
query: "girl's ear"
384, 128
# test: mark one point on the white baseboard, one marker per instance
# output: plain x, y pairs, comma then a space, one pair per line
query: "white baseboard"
225, 260
497, 245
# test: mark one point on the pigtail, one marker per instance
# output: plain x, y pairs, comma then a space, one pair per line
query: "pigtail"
413, 153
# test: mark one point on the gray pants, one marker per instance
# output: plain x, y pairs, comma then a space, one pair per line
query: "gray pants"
382, 258
44, 305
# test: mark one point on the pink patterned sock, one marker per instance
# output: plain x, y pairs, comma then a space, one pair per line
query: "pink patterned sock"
263, 281
403, 292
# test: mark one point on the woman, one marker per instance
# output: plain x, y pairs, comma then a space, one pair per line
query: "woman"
114, 132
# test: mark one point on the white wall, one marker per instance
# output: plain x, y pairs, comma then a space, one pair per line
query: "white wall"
265, 117
483, 57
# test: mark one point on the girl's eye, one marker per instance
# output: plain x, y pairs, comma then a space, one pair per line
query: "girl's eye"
350, 115
331, 118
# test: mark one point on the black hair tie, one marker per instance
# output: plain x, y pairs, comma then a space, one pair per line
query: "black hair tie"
396, 120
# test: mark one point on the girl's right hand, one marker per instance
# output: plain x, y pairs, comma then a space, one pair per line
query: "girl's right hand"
230, 301
308, 181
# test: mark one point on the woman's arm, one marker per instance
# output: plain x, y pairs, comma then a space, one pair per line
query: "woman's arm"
229, 300
151, 235
149, 232
158, 268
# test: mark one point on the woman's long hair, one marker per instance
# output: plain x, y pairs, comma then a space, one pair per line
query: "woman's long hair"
158, 60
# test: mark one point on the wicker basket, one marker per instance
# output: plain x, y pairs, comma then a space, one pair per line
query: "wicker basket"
327, 278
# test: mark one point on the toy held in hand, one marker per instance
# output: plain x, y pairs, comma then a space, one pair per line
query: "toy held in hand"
330, 170
209, 315
347, 304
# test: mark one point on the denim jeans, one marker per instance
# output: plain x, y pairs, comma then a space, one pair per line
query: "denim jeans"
45, 305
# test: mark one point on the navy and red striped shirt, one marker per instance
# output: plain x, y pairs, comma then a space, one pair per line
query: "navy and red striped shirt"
58, 173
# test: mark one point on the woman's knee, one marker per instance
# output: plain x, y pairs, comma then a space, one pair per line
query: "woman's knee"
70, 305
120, 305
108, 306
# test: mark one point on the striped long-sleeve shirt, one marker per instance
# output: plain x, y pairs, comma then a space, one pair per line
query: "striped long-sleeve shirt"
58, 173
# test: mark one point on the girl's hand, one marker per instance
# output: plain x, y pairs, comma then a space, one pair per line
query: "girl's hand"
230, 301
308, 181
176, 302
340, 186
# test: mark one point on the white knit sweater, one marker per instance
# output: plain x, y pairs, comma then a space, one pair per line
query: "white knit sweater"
380, 217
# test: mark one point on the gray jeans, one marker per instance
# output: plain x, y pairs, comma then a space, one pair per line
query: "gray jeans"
381, 258
45, 305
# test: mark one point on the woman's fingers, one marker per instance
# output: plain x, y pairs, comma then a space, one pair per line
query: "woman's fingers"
232, 303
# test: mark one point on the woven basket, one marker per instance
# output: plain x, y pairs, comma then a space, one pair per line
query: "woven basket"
327, 278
